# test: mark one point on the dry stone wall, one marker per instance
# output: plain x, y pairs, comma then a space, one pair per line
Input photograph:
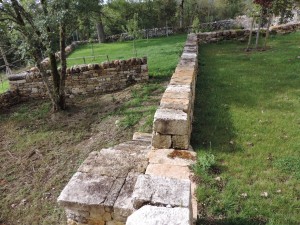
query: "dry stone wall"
8, 99
172, 124
242, 35
85, 79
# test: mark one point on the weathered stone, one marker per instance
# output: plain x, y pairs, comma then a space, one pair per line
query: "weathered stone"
88, 189
161, 141
114, 163
170, 121
123, 206
106, 75
180, 141
171, 171
175, 103
137, 136
155, 190
152, 215
162, 156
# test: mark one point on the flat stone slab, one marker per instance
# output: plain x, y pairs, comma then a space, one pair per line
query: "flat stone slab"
170, 157
161, 191
117, 162
137, 136
171, 121
152, 215
171, 171
90, 190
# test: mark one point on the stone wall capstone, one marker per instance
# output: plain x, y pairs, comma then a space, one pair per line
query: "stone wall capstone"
85, 79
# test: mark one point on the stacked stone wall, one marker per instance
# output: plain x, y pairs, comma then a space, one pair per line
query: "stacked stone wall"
84, 79
243, 35
172, 124
8, 99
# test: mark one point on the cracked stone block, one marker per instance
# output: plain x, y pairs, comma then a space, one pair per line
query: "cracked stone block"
180, 141
161, 141
161, 191
163, 156
171, 121
90, 190
152, 215
123, 206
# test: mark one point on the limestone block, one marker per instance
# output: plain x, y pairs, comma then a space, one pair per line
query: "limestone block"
187, 55
34, 90
152, 215
96, 222
181, 141
171, 121
137, 136
161, 141
171, 171
89, 190
115, 223
123, 206
175, 103
156, 190
168, 156
113, 163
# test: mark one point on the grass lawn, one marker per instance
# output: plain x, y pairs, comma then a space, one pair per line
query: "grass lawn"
4, 86
162, 53
246, 132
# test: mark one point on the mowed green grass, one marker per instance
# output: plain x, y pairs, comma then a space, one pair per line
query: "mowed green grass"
4, 86
247, 114
162, 53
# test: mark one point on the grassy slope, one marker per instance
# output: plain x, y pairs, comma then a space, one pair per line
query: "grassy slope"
39, 152
162, 53
247, 115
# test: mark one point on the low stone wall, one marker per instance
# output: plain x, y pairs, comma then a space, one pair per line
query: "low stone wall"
243, 35
85, 79
9, 98
286, 28
145, 33
172, 124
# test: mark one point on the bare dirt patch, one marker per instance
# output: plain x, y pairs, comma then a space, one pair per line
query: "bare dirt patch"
39, 152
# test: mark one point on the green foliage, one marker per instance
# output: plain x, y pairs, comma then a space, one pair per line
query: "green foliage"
245, 116
4, 86
132, 27
196, 25
205, 161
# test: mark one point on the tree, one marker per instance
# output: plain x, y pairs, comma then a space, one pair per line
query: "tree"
133, 30
38, 24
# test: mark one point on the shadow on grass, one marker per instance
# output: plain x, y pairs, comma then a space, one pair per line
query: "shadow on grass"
212, 127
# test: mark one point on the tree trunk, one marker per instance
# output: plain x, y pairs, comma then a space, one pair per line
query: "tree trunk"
268, 30
8, 70
250, 35
258, 30
100, 31
62, 35
181, 14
